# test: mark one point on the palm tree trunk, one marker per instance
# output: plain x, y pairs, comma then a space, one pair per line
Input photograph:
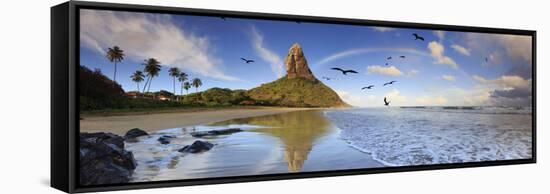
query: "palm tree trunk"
145, 86
114, 76
174, 86
137, 87
197, 92
181, 89
149, 87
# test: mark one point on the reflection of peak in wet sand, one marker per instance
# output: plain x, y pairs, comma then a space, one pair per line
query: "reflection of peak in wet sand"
296, 156
297, 130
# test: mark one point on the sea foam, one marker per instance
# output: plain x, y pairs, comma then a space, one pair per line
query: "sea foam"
403, 137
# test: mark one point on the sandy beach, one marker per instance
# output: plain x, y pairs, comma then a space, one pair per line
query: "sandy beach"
156, 121
294, 141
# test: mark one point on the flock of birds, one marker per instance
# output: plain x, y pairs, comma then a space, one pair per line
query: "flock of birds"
346, 71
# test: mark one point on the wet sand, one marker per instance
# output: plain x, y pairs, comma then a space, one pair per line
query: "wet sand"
153, 122
296, 141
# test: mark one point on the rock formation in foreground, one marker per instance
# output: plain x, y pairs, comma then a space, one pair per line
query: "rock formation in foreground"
103, 159
298, 88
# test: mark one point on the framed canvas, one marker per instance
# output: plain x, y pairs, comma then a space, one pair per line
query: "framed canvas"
148, 96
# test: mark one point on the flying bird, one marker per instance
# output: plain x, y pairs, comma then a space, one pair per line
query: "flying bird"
344, 71
368, 87
327, 78
387, 64
402, 56
486, 59
388, 58
386, 102
388, 83
418, 37
247, 60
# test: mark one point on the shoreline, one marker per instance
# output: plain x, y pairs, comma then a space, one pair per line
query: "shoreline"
151, 122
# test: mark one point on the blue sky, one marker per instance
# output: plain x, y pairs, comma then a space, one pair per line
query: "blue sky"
448, 68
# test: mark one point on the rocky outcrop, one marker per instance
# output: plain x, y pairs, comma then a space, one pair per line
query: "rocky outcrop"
165, 139
296, 64
299, 88
197, 147
133, 133
215, 132
103, 159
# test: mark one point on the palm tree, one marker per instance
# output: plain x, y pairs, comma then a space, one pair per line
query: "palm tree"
174, 72
137, 77
182, 78
115, 55
196, 83
152, 67
186, 86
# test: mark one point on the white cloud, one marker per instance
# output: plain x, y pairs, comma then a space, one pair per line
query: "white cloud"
505, 81
395, 97
461, 49
383, 29
494, 58
440, 34
455, 96
513, 46
362, 100
354, 100
390, 71
448, 77
143, 36
517, 46
265, 54
476, 98
413, 72
438, 53
507, 90
349, 98
431, 100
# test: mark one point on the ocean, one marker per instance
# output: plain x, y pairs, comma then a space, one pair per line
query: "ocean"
404, 136
338, 139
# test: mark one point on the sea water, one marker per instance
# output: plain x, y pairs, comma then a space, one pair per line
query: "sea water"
403, 136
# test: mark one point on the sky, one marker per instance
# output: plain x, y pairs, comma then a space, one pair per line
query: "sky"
447, 69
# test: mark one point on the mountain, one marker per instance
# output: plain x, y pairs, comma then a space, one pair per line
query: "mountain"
298, 88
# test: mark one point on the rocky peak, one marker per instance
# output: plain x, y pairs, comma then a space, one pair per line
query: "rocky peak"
296, 64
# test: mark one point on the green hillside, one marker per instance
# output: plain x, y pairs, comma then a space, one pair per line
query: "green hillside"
296, 92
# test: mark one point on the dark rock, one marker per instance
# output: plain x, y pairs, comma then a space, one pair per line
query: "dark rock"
133, 133
197, 147
103, 159
215, 132
165, 139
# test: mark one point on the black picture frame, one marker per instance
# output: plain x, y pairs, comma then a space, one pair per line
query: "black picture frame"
64, 101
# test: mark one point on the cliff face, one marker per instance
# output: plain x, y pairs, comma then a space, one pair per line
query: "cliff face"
299, 88
296, 64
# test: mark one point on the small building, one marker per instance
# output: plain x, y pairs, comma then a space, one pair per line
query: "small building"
162, 97
132, 94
